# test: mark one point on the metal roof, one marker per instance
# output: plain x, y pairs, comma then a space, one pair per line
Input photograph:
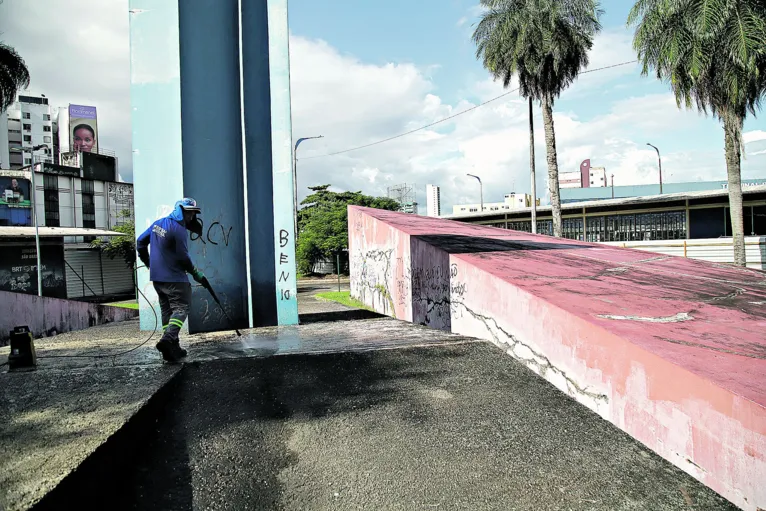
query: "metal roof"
21, 232
666, 197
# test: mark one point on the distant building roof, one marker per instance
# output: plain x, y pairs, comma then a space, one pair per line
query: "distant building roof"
21, 232
627, 201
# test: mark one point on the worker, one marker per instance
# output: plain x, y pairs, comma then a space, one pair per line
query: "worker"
168, 263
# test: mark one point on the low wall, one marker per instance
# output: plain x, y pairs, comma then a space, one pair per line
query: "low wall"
713, 250
46, 317
670, 350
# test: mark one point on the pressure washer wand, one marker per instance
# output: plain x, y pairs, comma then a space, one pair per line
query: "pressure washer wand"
206, 285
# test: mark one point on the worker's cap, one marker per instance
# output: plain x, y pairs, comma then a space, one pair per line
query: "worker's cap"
189, 204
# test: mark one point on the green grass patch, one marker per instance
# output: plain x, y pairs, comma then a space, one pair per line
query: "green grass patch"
343, 298
127, 304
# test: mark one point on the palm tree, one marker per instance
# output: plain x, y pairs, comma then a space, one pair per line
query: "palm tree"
713, 54
13, 76
545, 43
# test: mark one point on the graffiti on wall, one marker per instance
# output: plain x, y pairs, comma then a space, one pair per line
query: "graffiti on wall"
283, 267
370, 277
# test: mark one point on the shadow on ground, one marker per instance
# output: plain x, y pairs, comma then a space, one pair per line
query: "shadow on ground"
453, 427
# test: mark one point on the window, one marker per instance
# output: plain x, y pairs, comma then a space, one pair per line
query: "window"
47, 128
27, 127
25, 115
14, 131
27, 138
46, 117
88, 204
27, 161
51, 193
47, 139
667, 225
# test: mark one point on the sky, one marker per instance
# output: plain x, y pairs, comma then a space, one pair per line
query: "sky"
366, 71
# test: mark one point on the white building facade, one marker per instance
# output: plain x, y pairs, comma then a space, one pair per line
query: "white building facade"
27, 123
433, 201
64, 197
511, 201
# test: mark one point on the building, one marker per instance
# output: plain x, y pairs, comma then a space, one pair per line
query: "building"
404, 194
586, 177
691, 215
78, 204
433, 201
623, 192
511, 201
409, 207
27, 123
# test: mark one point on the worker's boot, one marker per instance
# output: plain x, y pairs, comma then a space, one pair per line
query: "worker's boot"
181, 352
171, 351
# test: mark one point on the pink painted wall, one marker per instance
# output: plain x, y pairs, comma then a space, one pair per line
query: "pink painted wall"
670, 350
51, 316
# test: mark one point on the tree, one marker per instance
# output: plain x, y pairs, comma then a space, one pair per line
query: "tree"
545, 43
323, 223
120, 246
713, 54
14, 76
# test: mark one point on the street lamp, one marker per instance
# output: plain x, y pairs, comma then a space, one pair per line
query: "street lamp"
659, 162
481, 190
295, 180
33, 150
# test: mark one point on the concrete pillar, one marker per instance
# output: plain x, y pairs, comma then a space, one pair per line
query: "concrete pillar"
223, 67
155, 94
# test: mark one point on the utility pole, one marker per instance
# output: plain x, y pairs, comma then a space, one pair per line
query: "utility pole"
481, 190
33, 194
295, 181
532, 167
659, 163
613, 186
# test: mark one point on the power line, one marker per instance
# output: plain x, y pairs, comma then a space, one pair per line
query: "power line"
450, 117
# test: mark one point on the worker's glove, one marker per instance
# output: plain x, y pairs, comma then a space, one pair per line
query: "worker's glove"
198, 276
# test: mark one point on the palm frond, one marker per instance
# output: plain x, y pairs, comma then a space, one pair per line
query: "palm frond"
13, 76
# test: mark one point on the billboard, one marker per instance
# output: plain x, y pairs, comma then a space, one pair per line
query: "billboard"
15, 200
83, 128
15, 192
18, 269
99, 167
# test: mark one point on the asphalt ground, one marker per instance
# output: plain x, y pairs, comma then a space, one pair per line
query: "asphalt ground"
459, 426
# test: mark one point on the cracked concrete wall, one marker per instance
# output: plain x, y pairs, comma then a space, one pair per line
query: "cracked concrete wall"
397, 274
378, 258
428, 278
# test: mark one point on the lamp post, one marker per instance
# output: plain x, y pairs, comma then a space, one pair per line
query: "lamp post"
481, 190
33, 150
659, 163
295, 180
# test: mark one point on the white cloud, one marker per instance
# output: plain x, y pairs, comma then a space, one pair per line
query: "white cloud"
353, 103
749, 137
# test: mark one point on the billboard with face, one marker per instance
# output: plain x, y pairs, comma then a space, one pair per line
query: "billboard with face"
14, 192
83, 128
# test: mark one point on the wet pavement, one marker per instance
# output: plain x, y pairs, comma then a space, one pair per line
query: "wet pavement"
450, 427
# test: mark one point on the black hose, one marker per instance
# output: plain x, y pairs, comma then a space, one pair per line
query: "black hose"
115, 355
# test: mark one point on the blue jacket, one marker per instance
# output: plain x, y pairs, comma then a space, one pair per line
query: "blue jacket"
169, 259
